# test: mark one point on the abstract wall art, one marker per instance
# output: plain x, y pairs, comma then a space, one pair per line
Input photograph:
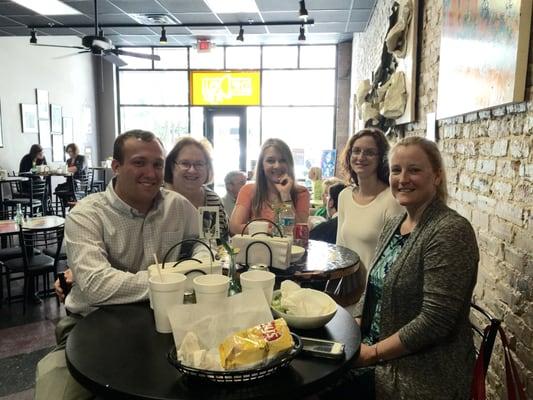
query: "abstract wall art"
483, 54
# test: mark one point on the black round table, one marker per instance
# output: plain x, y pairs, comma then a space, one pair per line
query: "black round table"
321, 261
116, 353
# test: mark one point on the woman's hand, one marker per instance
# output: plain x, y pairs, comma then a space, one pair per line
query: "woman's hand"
367, 356
284, 187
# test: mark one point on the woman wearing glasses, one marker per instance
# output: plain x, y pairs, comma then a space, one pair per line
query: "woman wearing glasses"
274, 186
365, 205
188, 169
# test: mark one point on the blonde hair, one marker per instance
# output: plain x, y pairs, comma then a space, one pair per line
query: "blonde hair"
434, 157
317, 172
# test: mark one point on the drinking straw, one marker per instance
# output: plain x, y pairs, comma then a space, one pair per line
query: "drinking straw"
158, 268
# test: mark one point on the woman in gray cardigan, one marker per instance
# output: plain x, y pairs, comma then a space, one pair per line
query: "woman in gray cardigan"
415, 315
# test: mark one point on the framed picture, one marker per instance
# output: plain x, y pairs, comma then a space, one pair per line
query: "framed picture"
473, 78
208, 220
58, 149
44, 133
1, 137
55, 118
68, 130
42, 103
28, 114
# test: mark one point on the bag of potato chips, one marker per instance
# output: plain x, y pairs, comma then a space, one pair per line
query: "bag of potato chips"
255, 346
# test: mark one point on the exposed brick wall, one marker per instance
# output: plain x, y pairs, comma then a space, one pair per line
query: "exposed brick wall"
489, 161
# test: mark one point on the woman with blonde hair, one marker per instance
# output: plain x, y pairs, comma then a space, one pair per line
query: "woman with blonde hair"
188, 171
415, 315
274, 186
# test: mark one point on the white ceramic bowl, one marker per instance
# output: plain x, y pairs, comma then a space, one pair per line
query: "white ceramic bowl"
305, 322
297, 252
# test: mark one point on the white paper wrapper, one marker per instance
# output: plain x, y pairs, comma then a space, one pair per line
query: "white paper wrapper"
212, 323
304, 302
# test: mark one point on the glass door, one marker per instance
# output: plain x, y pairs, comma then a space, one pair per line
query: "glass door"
225, 128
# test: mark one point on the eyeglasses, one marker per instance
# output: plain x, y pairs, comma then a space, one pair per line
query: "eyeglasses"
356, 151
186, 165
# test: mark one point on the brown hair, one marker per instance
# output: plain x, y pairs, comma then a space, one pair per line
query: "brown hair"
261, 186
434, 157
174, 153
73, 147
118, 146
383, 149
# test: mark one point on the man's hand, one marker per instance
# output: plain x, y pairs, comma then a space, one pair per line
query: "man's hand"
69, 280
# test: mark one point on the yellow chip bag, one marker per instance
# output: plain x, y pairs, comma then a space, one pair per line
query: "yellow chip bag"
255, 346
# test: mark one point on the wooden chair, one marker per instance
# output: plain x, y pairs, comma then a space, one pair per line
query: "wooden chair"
30, 266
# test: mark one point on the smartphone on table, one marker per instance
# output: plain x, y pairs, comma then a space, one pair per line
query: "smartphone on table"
322, 348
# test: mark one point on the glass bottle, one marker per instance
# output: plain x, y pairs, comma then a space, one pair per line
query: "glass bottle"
234, 285
18, 215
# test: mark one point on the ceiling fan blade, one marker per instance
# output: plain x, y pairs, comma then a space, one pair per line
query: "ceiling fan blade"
138, 55
72, 54
113, 59
56, 45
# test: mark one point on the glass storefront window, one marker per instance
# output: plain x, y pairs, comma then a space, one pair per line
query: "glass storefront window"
171, 58
134, 62
299, 87
213, 59
248, 57
280, 56
306, 130
197, 122
167, 123
154, 87
318, 56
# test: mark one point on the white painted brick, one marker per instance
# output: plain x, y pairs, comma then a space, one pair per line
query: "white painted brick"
486, 166
506, 169
502, 189
499, 147
519, 148
510, 213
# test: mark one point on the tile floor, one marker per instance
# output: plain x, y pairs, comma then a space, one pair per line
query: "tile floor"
24, 340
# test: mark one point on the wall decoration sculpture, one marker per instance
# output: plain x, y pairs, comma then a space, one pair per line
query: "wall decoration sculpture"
389, 98
483, 54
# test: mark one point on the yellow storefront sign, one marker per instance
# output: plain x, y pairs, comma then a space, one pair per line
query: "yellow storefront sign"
225, 88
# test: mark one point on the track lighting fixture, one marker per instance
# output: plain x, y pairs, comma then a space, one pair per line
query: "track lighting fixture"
240, 36
302, 33
33, 38
163, 38
303, 11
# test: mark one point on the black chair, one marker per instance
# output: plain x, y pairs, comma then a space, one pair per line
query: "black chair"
32, 205
97, 185
30, 266
76, 190
486, 327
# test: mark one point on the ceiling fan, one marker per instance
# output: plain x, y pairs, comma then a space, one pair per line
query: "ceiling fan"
99, 45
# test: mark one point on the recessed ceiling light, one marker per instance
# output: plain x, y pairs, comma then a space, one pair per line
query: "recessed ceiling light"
48, 7
233, 6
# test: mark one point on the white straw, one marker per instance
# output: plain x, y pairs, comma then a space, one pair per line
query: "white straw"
158, 268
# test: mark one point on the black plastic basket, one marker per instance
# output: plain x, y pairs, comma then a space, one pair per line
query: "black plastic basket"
241, 375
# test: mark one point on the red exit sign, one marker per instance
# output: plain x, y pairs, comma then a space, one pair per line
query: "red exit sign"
203, 45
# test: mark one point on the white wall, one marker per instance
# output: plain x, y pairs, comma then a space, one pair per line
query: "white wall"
70, 82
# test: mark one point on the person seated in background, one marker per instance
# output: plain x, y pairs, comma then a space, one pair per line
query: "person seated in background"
315, 175
77, 165
29, 162
414, 319
274, 187
327, 183
327, 231
188, 169
111, 238
234, 181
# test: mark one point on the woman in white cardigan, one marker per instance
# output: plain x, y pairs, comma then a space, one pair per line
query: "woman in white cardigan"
365, 205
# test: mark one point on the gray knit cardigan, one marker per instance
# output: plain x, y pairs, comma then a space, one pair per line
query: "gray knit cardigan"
426, 298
